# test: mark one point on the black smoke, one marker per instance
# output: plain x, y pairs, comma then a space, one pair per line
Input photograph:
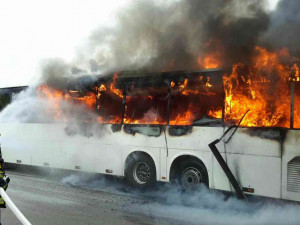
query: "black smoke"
157, 36
284, 30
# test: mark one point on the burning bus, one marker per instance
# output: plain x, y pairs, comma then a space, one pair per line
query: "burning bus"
157, 127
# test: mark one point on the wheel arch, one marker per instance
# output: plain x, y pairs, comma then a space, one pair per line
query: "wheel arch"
151, 156
178, 159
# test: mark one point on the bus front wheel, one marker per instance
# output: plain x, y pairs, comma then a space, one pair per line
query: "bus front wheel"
140, 170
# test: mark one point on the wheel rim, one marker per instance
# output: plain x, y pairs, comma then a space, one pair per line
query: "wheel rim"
141, 172
191, 178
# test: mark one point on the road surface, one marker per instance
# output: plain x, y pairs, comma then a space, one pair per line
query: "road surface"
59, 197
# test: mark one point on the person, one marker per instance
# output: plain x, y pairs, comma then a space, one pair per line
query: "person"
4, 180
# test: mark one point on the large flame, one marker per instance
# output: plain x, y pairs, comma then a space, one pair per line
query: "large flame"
263, 88
210, 61
54, 98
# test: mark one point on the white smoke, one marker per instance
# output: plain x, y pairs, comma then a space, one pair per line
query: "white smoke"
205, 207
28, 107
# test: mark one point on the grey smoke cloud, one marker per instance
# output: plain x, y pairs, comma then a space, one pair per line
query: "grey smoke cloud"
154, 36
284, 29
175, 35
27, 107
203, 207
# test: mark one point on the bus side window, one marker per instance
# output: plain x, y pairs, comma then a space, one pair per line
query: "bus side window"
5, 99
146, 105
197, 100
109, 107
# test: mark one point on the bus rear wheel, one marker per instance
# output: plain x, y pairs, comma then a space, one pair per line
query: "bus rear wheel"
140, 171
191, 175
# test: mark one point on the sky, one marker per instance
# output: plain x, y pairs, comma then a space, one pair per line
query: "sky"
34, 30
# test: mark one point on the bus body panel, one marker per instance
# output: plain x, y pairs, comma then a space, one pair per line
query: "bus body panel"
291, 166
255, 160
255, 141
49, 144
194, 143
205, 157
254, 157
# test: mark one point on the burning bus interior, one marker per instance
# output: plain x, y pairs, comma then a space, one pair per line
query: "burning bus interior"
169, 98
268, 89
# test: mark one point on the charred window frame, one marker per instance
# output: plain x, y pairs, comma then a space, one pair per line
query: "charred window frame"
7, 95
257, 117
5, 99
109, 101
146, 104
165, 80
202, 97
295, 105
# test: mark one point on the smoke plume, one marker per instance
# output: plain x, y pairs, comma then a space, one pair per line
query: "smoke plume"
155, 36
183, 35
202, 207
284, 29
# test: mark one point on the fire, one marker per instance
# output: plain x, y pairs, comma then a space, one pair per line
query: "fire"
89, 99
109, 102
194, 99
185, 118
213, 58
112, 86
263, 88
215, 113
54, 97
210, 61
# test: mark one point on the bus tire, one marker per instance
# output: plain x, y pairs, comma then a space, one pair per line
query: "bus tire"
140, 171
191, 175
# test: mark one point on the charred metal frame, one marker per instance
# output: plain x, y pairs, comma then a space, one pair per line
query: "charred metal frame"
124, 104
169, 103
226, 169
292, 104
178, 76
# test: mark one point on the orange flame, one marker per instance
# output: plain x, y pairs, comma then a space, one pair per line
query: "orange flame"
54, 96
210, 61
262, 88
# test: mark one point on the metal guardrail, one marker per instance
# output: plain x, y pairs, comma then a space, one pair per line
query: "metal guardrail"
14, 208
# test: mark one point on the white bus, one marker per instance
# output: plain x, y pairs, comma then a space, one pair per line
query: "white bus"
157, 127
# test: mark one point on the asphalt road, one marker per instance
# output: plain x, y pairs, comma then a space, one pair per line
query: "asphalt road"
78, 198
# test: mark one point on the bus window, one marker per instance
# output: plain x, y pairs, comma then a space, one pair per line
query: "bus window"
146, 105
109, 105
87, 99
195, 99
4, 100
264, 94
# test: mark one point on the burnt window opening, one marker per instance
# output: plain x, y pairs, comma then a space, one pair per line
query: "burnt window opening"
5, 99
195, 100
266, 93
86, 99
7, 95
147, 105
109, 104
